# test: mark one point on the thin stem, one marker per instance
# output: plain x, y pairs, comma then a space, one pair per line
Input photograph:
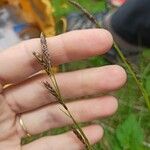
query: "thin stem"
121, 55
70, 115
86, 12
80, 130
131, 70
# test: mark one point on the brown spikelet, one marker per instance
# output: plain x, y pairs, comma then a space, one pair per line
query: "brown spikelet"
44, 58
54, 93
44, 48
50, 89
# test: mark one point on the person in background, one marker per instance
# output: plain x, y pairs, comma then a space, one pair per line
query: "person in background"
130, 26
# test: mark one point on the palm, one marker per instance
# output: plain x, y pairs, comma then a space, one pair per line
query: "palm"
9, 136
29, 99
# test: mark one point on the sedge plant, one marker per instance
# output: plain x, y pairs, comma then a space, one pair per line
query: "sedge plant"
53, 88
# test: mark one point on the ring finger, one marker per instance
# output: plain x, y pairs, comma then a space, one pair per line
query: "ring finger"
51, 116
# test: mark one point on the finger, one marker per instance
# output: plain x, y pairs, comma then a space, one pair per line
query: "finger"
86, 82
18, 63
51, 116
66, 141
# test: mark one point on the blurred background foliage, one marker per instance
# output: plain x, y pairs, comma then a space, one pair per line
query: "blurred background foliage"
62, 8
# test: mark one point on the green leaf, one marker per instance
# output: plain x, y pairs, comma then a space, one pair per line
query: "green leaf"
129, 134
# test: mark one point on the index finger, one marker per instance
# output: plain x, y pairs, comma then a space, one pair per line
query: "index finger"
18, 63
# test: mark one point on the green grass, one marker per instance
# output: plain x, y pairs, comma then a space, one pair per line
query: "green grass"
61, 8
130, 126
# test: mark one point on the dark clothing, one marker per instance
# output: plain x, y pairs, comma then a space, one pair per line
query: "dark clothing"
132, 22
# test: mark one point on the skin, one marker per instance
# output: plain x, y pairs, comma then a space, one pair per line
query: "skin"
29, 98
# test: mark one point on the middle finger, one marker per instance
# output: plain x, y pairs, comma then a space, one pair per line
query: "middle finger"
32, 94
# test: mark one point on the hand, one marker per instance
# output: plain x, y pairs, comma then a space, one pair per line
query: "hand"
28, 97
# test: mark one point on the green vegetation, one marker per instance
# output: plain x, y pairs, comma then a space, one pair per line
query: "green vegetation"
61, 8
